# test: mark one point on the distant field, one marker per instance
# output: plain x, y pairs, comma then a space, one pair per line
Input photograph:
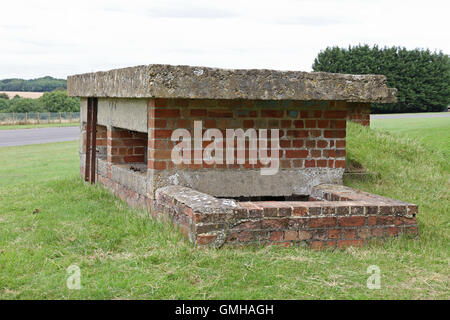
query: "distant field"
23, 94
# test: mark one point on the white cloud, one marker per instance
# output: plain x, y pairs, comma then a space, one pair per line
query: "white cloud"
54, 38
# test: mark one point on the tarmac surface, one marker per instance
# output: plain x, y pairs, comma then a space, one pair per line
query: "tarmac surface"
18, 137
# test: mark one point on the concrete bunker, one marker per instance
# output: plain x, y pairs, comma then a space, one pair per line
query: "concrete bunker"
219, 203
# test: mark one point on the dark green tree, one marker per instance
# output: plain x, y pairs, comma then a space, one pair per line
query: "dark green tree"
422, 77
4, 105
22, 105
59, 101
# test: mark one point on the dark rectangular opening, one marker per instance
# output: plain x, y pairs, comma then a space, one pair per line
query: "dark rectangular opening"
293, 197
129, 149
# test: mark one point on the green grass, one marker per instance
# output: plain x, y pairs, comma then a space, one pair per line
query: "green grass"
433, 132
37, 163
123, 254
42, 125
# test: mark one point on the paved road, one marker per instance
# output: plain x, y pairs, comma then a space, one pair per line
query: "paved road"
20, 137
398, 116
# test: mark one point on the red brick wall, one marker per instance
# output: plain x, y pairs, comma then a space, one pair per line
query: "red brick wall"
359, 113
125, 146
312, 134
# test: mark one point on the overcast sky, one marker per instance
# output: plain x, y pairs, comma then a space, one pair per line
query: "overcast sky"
61, 38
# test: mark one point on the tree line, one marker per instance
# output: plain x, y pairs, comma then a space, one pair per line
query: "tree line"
44, 84
55, 101
422, 77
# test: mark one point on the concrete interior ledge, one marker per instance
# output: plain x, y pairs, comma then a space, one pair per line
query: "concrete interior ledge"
167, 81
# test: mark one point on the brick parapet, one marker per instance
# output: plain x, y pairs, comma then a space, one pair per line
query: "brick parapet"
218, 222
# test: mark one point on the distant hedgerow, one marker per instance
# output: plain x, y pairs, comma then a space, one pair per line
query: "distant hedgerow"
44, 84
422, 77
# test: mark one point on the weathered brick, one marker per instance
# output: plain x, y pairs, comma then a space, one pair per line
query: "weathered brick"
334, 134
322, 222
334, 233
351, 221
339, 164
249, 225
335, 114
296, 153
304, 235
203, 239
253, 210
298, 223
349, 233
405, 221
291, 235
310, 163
276, 235
371, 221
386, 220
281, 223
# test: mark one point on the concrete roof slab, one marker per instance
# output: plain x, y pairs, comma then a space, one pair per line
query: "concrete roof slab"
187, 82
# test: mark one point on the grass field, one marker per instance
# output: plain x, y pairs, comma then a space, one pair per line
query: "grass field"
42, 125
436, 136
123, 254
